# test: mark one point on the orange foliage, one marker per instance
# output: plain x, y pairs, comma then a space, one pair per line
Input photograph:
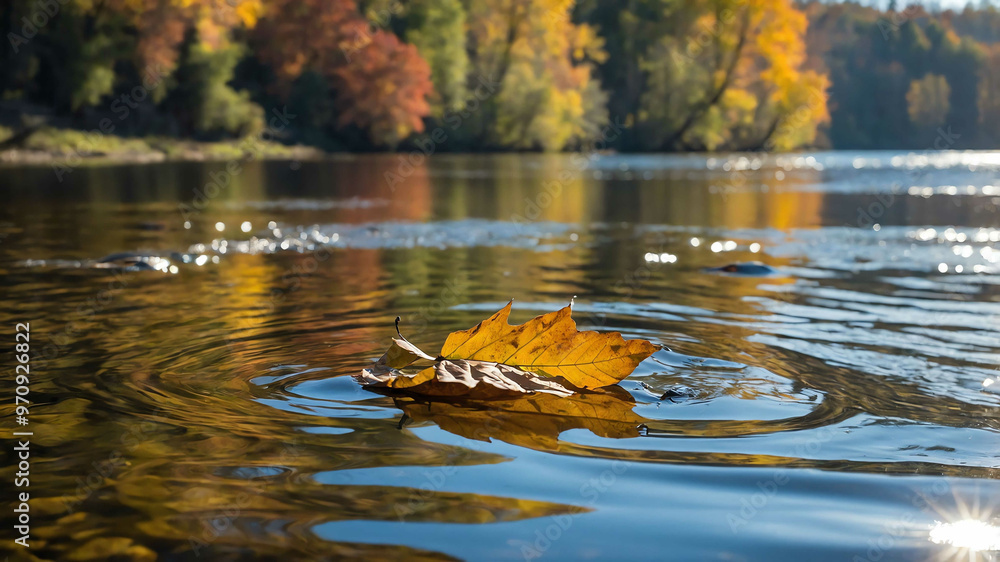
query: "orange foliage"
382, 85
161, 29
385, 89
298, 34
162, 24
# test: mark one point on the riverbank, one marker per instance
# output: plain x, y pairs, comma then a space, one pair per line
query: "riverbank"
70, 147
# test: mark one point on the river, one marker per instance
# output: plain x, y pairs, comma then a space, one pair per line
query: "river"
199, 404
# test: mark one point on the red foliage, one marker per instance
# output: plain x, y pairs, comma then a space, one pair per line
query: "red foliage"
298, 34
381, 84
384, 89
161, 27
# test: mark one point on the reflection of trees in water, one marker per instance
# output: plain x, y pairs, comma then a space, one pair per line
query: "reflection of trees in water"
170, 373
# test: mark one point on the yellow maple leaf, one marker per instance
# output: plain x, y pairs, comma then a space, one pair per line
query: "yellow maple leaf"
545, 354
550, 345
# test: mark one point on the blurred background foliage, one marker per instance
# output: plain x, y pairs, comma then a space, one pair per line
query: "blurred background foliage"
548, 75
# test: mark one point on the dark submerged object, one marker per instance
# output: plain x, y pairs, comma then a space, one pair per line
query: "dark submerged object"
135, 261
680, 392
150, 225
749, 269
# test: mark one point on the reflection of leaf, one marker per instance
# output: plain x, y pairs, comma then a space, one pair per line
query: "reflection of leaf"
497, 359
534, 421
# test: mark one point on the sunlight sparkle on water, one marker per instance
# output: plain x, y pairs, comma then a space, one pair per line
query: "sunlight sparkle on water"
969, 533
660, 258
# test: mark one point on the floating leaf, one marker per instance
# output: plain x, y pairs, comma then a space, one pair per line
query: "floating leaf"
479, 379
494, 359
401, 353
550, 345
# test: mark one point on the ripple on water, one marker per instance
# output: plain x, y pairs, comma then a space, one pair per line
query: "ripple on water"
829, 398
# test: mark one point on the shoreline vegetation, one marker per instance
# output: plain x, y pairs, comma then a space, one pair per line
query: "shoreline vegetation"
194, 79
67, 147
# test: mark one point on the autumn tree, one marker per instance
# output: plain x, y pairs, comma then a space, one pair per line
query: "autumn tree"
437, 29
514, 74
873, 60
92, 53
380, 85
989, 101
533, 66
630, 32
385, 90
202, 98
927, 101
732, 79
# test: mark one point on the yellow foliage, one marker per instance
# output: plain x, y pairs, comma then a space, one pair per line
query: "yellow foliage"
927, 101
738, 69
547, 99
546, 354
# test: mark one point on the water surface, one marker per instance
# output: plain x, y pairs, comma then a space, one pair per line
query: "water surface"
193, 398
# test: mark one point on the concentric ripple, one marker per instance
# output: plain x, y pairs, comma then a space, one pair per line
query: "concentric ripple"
194, 396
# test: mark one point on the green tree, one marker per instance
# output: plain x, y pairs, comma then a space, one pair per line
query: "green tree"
203, 96
927, 101
989, 102
437, 29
